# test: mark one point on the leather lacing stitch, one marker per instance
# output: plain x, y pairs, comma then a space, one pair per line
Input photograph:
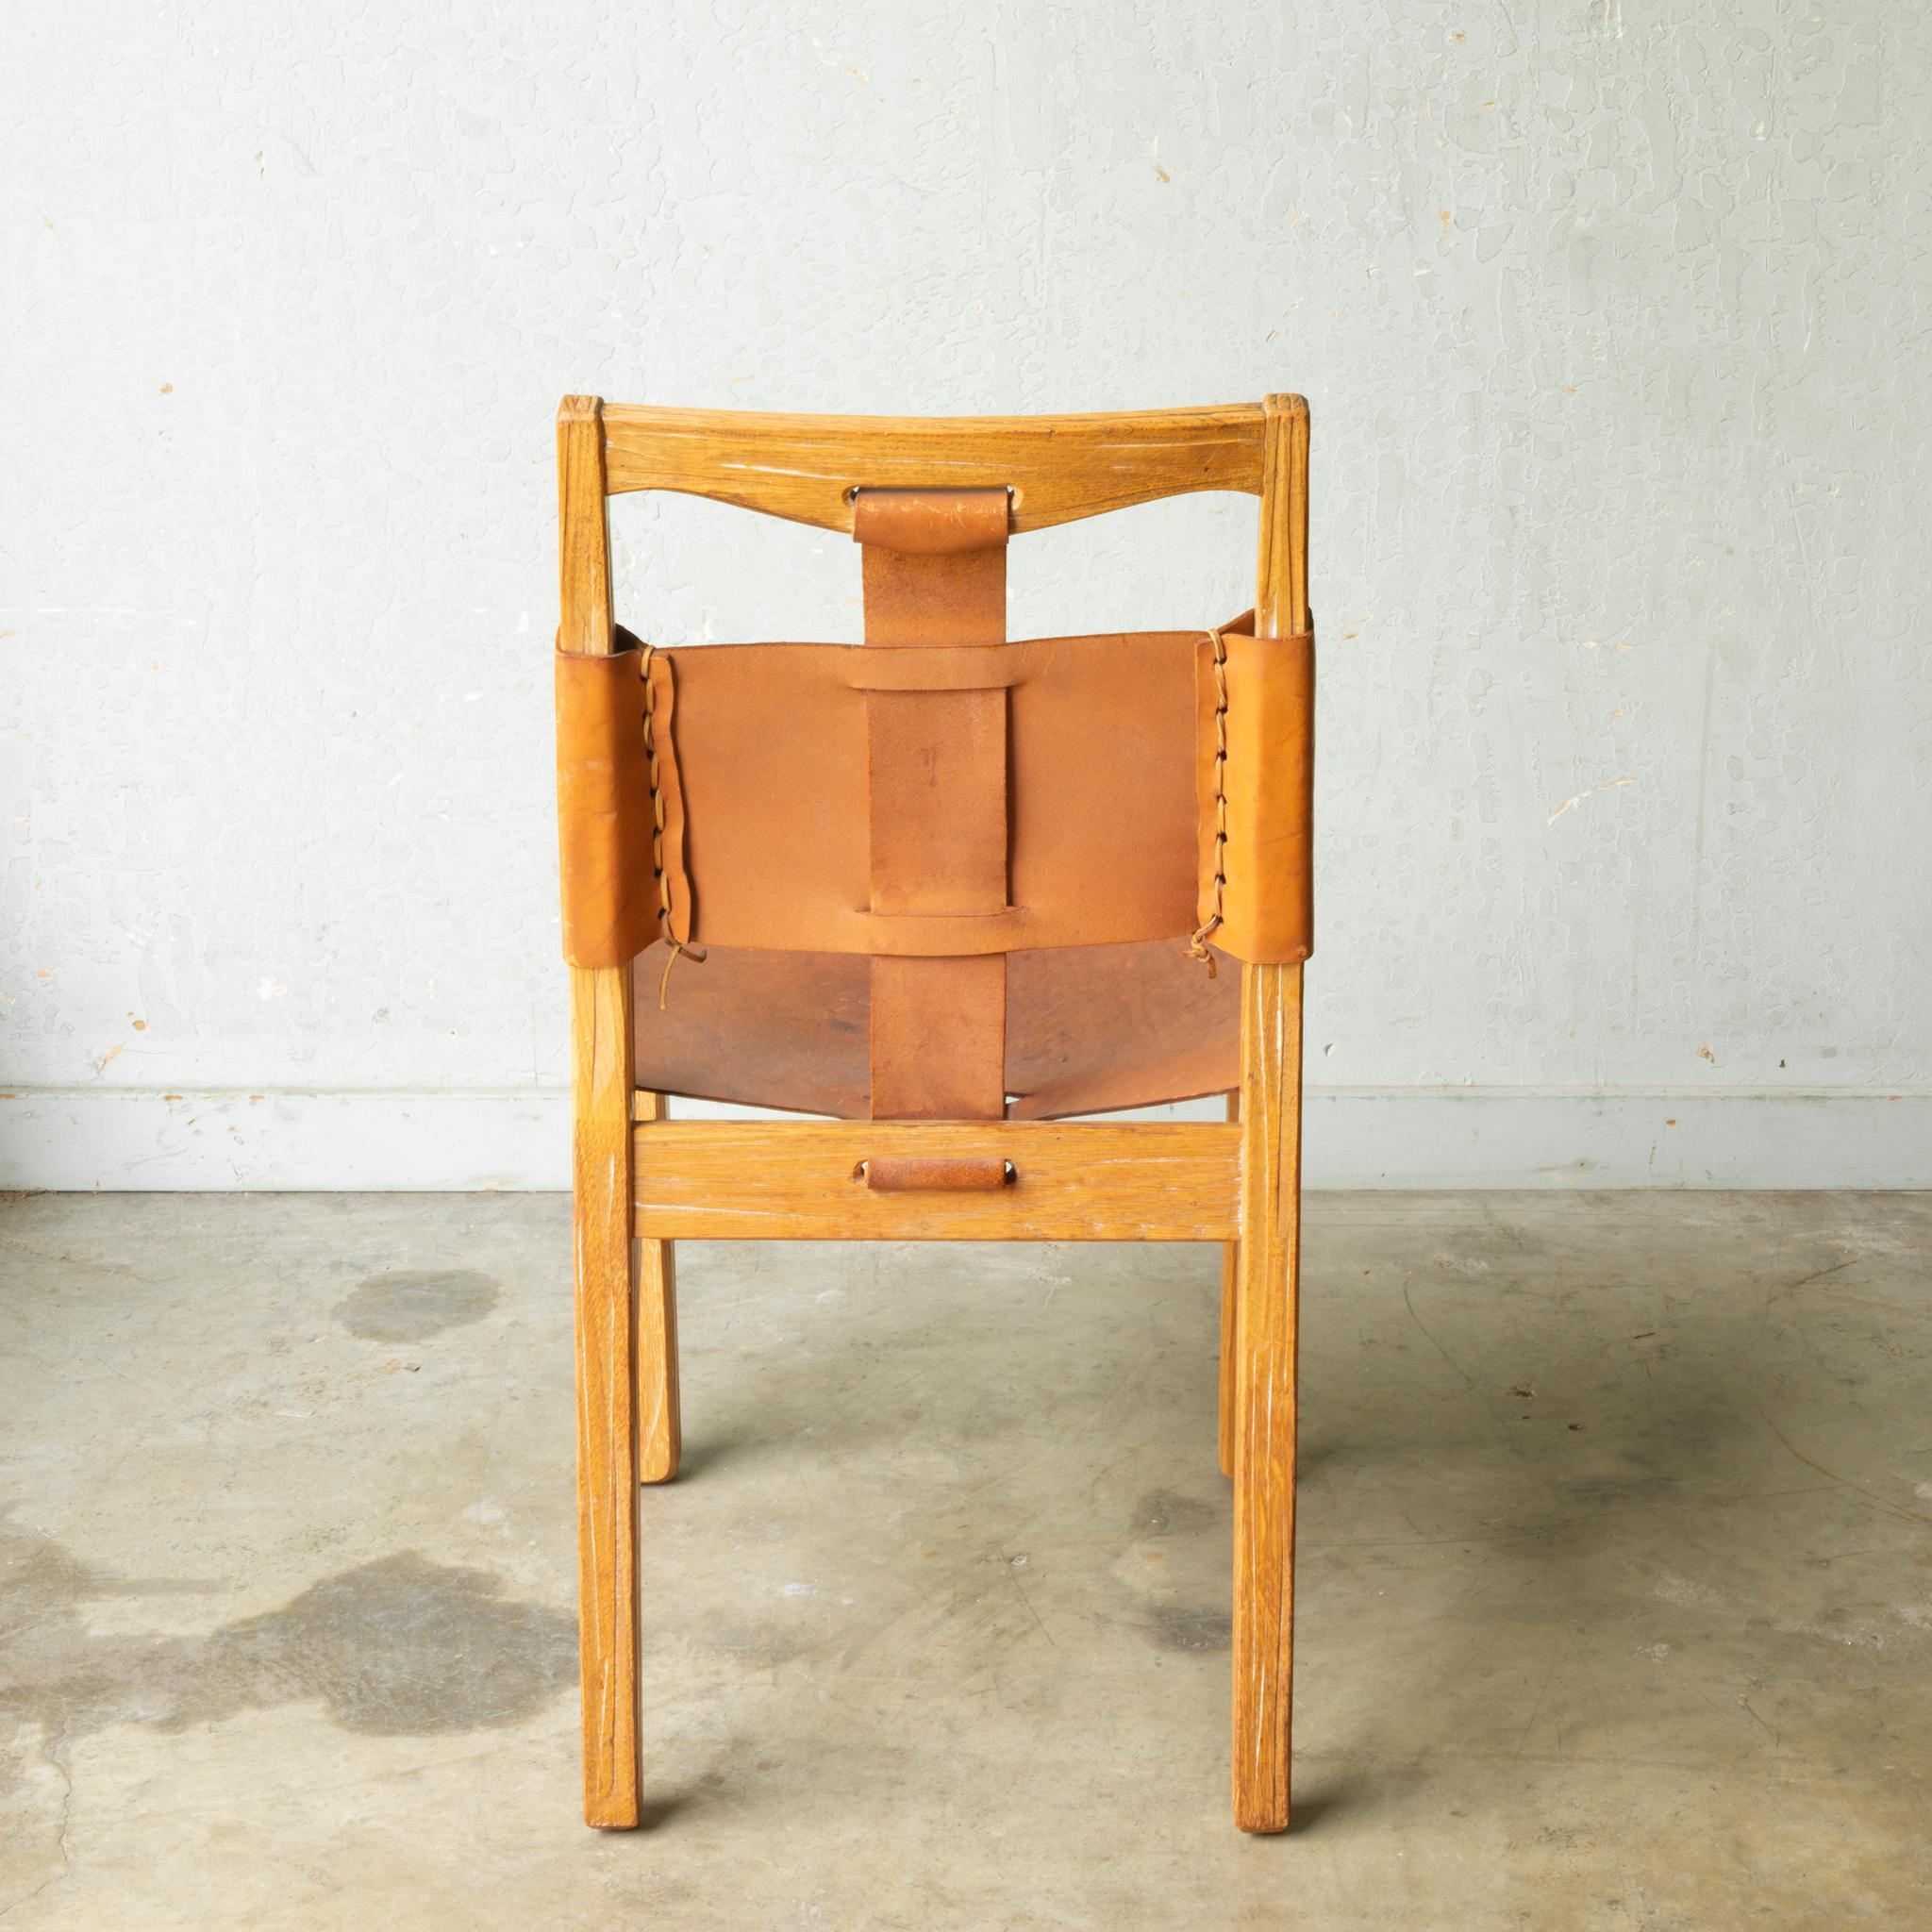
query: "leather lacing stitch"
676, 946
1197, 946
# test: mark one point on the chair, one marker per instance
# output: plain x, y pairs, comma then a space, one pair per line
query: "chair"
943, 890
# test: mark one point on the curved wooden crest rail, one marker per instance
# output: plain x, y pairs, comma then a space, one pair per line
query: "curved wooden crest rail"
643, 1181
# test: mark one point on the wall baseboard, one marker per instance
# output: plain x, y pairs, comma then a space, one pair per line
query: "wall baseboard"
1395, 1137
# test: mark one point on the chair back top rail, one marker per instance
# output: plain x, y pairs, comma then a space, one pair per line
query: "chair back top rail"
1058, 468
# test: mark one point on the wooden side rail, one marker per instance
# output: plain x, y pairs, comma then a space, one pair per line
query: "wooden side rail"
1058, 468
748, 1180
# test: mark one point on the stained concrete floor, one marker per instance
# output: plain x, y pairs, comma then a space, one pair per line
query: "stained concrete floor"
1616, 1576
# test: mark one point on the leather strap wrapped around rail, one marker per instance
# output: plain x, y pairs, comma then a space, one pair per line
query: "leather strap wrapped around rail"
1255, 713
935, 571
602, 810
621, 836
911, 1175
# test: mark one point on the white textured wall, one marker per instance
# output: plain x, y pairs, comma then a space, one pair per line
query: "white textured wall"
1613, 319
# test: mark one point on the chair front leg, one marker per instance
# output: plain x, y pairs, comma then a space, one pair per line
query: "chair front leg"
1266, 1289
606, 1393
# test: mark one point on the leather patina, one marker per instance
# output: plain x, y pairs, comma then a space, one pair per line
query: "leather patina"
1262, 910
1089, 1028
604, 810
957, 1173
620, 835
934, 573
772, 764
943, 878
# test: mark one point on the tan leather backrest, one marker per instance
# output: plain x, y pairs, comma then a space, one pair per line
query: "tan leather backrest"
937, 799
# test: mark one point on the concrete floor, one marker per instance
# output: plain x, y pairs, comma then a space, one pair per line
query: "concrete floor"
1616, 1576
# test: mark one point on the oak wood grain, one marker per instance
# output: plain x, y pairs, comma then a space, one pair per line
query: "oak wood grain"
1230, 1329
1158, 1181
1267, 1269
660, 1422
583, 530
606, 1304
1058, 468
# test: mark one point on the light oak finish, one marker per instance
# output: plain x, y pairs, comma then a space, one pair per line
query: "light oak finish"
1231, 1279
586, 620
601, 1085
1058, 468
643, 1180
746, 1180
660, 1433
1267, 1269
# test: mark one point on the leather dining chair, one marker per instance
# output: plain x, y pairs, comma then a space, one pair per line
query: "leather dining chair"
941, 891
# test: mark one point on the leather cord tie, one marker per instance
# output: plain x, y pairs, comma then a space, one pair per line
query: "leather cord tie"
676, 946
1197, 946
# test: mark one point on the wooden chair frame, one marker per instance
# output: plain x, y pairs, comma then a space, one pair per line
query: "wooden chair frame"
643, 1181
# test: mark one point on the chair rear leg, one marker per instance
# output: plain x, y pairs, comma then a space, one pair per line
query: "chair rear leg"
660, 1438
1266, 1290
1230, 1267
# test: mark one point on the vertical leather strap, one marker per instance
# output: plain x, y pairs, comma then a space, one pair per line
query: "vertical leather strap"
935, 566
